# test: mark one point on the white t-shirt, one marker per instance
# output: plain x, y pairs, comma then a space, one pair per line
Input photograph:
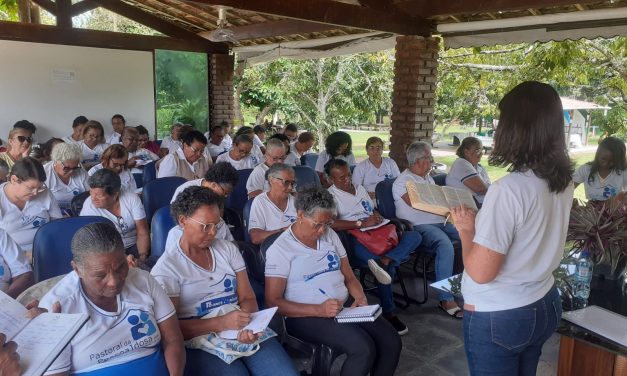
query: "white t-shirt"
257, 179
243, 164
462, 170
21, 225
70, 140
256, 155
293, 158
175, 233
352, 207
126, 178
227, 142
65, 193
114, 138
308, 270
169, 143
215, 150
187, 184
145, 156
257, 141
369, 176
200, 290
265, 215
111, 338
404, 211
323, 158
131, 209
601, 189
91, 156
522, 220
169, 165
13, 261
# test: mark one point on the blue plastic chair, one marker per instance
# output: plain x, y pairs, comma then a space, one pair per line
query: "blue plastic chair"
440, 179
309, 160
150, 173
139, 179
52, 250
246, 217
162, 222
306, 176
237, 199
158, 193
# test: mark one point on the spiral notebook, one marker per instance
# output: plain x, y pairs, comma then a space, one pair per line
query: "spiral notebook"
359, 314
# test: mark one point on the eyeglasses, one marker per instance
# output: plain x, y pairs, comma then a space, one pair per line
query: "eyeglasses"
206, 227
121, 166
276, 159
319, 226
243, 153
286, 183
22, 139
225, 192
35, 190
68, 169
478, 151
194, 150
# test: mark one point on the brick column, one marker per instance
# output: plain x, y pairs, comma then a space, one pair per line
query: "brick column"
413, 97
221, 88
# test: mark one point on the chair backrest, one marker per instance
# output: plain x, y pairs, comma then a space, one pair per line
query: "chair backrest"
237, 199
162, 222
439, 179
267, 243
52, 250
150, 173
158, 193
235, 222
246, 217
309, 160
306, 176
139, 179
385, 200
77, 203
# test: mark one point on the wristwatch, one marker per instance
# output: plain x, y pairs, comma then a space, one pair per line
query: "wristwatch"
358, 224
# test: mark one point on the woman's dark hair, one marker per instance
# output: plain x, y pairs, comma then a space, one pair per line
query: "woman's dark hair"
306, 137
313, 199
26, 125
79, 120
466, 144
189, 137
335, 140
619, 162
242, 138
192, 198
530, 135
95, 238
28, 168
118, 116
215, 128
259, 129
142, 130
291, 127
244, 130
107, 180
46, 148
222, 173
334, 163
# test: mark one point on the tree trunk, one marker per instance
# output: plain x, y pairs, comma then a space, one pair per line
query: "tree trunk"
263, 114
237, 109
23, 10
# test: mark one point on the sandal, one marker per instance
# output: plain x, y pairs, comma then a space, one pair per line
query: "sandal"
453, 312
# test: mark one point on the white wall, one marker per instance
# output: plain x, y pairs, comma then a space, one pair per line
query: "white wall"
50, 85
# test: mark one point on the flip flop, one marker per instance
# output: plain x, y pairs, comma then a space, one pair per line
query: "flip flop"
451, 311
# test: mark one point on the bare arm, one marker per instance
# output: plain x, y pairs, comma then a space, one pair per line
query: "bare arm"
476, 185
255, 193
257, 235
245, 294
143, 239
275, 288
172, 344
20, 283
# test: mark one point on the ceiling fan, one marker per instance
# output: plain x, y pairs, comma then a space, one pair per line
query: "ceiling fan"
221, 33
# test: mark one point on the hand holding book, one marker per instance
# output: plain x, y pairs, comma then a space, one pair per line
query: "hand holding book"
438, 200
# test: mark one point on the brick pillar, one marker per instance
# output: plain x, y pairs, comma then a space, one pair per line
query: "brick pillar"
221, 88
413, 97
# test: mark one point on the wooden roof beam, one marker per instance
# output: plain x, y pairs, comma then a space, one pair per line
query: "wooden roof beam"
276, 29
334, 13
48, 5
82, 7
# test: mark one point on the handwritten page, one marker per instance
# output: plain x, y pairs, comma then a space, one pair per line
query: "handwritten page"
601, 321
12, 316
456, 197
258, 323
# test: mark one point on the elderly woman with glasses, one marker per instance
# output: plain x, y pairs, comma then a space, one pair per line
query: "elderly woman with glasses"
376, 168
20, 143
466, 172
239, 156
132, 327
25, 203
187, 162
92, 144
115, 158
138, 157
257, 182
309, 279
206, 277
273, 211
124, 209
65, 178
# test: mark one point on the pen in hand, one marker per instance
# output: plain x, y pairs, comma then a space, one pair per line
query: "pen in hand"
325, 294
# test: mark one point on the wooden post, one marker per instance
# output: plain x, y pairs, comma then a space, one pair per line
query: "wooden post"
64, 15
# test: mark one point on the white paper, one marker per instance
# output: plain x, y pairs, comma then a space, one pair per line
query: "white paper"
363, 311
600, 321
258, 323
443, 285
383, 223
12, 316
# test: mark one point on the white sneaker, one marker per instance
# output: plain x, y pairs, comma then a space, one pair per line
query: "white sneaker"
379, 273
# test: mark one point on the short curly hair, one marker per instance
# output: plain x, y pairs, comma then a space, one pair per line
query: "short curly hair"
191, 199
222, 173
107, 180
314, 199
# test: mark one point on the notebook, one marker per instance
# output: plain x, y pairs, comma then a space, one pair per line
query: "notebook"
359, 314
258, 323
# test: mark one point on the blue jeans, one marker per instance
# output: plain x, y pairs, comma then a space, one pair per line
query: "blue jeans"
438, 237
509, 343
270, 360
406, 245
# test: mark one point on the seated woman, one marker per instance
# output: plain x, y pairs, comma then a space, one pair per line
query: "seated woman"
336, 146
16, 274
19, 146
115, 159
239, 156
137, 157
204, 275
187, 162
124, 209
355, 210
255, 153
466, 172
92, 144
376, 168
26, 204
132, 328
606, 176
302, 146
144, 141
257, 182
309, 278
77, 130
65, 178
45, 150
273, 211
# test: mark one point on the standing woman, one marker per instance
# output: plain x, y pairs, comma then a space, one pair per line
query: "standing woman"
606, 176
92, 144
376, 168
65, 178
337, 146
466, 172
511, 303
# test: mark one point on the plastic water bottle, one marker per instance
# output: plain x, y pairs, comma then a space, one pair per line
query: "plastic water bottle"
583, 276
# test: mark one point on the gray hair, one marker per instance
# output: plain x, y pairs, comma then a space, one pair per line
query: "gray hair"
417, 150
95, 238
274, 143
107, 180
66, 152
276, 169
315, 199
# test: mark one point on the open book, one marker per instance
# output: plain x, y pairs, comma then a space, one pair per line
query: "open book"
39, 340
367, 313
438, 200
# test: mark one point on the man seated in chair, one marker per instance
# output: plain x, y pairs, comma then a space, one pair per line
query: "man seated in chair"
187, 162
437, 235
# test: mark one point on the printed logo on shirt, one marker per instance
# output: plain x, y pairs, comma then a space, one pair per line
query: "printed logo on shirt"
609, 191
387, 176
367, 207
226, 296
254, 159
36, 221
289, 218
142, 325
332, 264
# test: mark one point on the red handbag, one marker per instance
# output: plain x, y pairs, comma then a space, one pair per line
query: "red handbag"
378, 241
